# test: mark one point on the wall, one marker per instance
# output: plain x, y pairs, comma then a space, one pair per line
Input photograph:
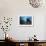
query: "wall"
16, 8
23, 32
45, 28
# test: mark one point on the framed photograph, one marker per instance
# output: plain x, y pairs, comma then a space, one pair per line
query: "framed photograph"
26, 20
